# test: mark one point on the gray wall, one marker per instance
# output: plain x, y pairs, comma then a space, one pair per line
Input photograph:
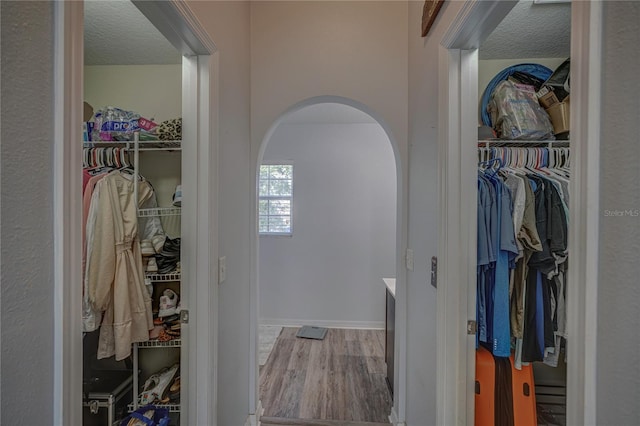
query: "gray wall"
26, 229
329, 272
618, 376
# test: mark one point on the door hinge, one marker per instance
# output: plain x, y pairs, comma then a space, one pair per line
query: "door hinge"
472, 327
184, 316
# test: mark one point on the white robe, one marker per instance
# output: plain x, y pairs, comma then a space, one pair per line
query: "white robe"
114, 272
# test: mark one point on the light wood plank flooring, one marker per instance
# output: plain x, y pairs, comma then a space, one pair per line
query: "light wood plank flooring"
340, 379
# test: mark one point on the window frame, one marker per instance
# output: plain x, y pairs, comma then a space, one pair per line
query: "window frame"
272, 197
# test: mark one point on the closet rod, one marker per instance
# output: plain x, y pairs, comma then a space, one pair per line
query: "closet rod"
154, 145
487, 143
532, 156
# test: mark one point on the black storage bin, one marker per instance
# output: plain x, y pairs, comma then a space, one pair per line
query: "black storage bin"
107, 385
106, 397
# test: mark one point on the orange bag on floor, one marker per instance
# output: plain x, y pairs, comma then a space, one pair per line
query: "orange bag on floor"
523, 389
485, 388
524, 395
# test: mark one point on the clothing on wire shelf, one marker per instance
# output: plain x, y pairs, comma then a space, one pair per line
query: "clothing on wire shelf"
115, 298
522, 260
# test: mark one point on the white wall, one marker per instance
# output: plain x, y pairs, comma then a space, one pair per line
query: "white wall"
228, 24
423, 211
618, 342
353, 49
27, 297
329, 271
153, 91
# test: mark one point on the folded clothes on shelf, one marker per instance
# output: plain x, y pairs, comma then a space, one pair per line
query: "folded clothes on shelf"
169, 256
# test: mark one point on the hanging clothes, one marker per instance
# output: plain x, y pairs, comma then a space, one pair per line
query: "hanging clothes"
522, 253
91, 318
494, 275
114, 272
100, 162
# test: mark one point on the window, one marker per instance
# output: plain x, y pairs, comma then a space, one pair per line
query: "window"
275, 199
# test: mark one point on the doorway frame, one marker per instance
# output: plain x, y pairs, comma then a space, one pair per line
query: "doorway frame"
458, 80
178, 24
398, 411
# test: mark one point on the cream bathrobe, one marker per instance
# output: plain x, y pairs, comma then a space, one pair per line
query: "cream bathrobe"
115, 273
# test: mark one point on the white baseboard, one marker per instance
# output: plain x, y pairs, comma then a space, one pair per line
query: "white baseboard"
283, 322
250, 420
393, 418
254, 419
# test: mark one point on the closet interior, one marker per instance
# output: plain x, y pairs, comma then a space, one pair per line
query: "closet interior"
132, 200
523, 199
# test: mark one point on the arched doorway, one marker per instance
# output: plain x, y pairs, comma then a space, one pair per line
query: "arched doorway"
324, 267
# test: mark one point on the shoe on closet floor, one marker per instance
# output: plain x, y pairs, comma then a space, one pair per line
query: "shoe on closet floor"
157, 385
168, 303
154, 333
167, 335
146, 248
174, 391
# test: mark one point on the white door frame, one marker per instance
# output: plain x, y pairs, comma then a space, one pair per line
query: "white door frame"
458, 90
199, 221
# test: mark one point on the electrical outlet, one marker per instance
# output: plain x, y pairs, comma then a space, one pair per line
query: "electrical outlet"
410, 259
222, 269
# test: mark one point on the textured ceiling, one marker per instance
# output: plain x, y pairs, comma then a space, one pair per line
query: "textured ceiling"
531, 31
117, 33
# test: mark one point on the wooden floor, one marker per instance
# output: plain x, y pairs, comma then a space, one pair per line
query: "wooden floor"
340, 379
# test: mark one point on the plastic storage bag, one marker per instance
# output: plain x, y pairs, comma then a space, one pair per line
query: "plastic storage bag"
116, 124
111, 123
516, 113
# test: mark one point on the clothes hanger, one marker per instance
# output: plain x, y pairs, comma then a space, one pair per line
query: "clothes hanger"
517, 158
489, 164
566, 164
124, 153
108, 157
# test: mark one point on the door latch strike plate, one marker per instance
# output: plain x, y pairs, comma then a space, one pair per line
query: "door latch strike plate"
472, 327
434, 271
184, 316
